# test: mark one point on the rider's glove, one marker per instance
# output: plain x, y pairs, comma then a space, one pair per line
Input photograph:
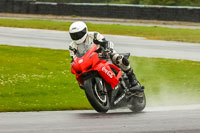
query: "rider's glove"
97, 41
105, 44
107, 52
109, 45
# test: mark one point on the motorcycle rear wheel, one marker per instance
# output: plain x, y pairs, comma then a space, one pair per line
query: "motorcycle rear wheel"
137, 103
99, 102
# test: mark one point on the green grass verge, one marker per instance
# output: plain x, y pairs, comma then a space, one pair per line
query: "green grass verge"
155, 33
35, 79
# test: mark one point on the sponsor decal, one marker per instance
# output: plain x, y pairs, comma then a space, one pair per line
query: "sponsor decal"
107, 72
119, 99
80, 61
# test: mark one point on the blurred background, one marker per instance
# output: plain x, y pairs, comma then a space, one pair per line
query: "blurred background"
41, 78
138, 2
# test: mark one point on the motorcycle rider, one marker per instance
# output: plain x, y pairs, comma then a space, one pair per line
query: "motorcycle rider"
82, 39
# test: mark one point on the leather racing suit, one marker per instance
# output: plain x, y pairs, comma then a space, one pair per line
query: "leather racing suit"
117, 59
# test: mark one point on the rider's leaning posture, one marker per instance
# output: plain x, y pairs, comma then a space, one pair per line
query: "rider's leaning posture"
82, 39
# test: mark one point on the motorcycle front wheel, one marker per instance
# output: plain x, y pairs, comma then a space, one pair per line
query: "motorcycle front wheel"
93, 90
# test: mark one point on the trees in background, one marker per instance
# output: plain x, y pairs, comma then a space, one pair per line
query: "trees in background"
139, 2
167, 2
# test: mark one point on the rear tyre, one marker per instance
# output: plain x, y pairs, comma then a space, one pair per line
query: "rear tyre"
137, 103
99, 101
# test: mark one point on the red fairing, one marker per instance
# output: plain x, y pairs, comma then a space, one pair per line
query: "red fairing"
91, 62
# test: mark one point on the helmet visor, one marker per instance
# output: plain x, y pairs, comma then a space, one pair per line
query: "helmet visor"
78, 35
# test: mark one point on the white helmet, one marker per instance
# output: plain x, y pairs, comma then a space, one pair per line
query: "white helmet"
78, 31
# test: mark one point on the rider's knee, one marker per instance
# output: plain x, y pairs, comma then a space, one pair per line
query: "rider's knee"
120, 61
125, 61
116, 58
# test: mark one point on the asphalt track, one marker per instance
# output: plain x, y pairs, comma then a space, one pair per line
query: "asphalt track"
135, 45
183, 119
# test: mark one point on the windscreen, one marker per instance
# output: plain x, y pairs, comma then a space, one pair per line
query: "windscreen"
82, 49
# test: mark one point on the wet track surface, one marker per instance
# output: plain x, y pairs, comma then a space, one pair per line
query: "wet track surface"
184, 119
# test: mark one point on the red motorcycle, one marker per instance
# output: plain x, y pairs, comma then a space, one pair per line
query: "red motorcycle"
105, 86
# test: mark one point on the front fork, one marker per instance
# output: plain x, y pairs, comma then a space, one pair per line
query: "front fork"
101, 84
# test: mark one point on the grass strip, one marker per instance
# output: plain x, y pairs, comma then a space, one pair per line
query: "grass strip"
154, 33
35, 79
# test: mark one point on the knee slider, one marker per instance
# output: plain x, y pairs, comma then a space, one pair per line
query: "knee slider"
119, 59
116, 58
125, 61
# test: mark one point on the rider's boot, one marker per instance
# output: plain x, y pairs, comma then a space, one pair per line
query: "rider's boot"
134, 83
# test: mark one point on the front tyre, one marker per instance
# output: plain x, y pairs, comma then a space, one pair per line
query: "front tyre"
93, 90
137, 102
